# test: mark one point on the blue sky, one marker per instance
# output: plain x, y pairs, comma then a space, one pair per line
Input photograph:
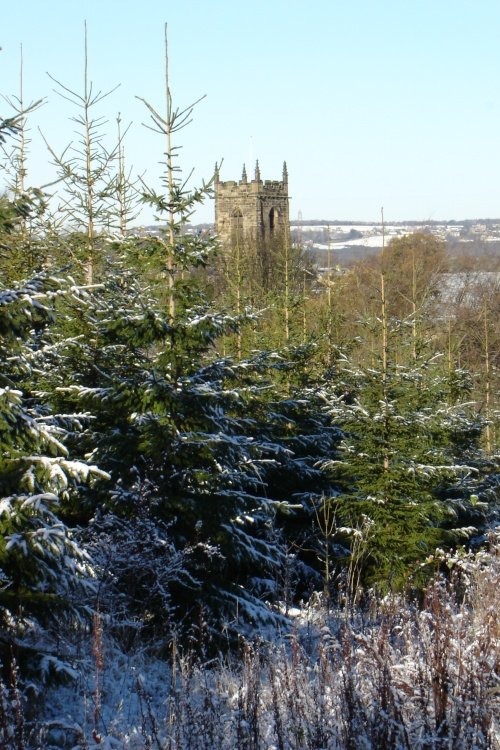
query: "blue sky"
372, 103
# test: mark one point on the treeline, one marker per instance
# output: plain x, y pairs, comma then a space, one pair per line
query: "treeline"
194, 439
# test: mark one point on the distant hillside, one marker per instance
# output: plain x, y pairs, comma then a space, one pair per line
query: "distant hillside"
350, 240
354, 240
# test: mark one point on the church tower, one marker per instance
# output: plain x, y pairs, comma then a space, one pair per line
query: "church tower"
252, 211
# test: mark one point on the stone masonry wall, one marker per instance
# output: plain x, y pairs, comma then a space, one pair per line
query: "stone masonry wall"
254, 209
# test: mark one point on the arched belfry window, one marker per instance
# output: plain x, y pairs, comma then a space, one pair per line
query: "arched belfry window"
273, 219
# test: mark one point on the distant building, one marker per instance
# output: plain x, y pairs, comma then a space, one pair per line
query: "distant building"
252, 212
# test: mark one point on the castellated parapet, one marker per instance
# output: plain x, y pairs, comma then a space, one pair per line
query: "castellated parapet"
252, 211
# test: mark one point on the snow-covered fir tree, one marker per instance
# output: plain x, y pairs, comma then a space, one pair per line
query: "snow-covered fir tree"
45, 573
410, 469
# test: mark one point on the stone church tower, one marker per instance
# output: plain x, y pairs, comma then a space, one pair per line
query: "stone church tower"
252, 211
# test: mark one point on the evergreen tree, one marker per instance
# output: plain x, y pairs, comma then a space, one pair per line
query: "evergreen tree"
166, 417
24, 245
85, 171
409, 468
44, 571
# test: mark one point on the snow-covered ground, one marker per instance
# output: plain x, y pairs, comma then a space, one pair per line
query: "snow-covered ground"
355, 237
389, 675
